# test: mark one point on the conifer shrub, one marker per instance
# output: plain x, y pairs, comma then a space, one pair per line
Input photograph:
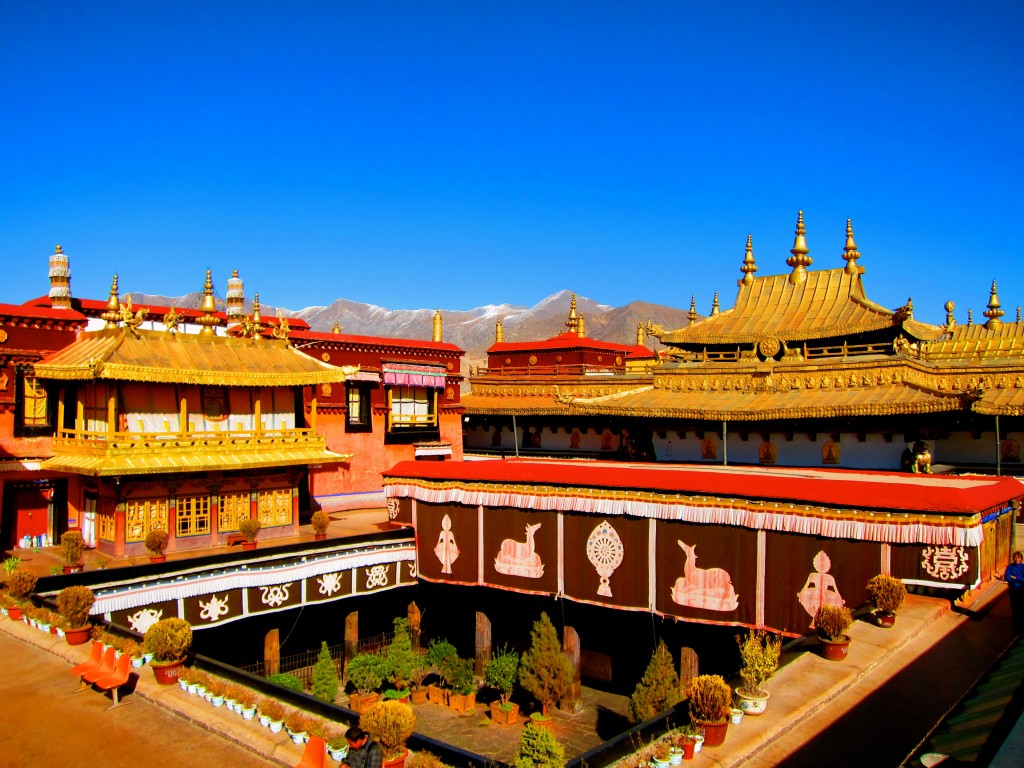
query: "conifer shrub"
324, 682
285, 680
658, 689
538, 748
545, 672
249, 527
156, 541
21, 583
320, 521
168, 640
402, 660
886, 592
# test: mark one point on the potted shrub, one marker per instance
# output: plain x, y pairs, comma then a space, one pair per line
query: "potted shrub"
21, 583
366, 672
545, 672
390, 724
401, 659
337, 747
271, 714
831, 623
156, 543
324, 681
442, 657
249, 528
463, 694
320, 521
888, 594
658, 689
299, 725
74, 604
687, 740
759, 652
660, 754
168, 640
72, 545
417, 693
710, 705
538, 748
502, 673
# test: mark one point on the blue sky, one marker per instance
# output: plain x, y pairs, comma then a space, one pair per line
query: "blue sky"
459, 154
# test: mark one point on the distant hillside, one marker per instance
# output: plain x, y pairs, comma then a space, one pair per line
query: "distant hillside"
472, 330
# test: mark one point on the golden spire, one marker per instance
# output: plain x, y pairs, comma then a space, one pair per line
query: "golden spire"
800, 260
850, 252
254, 327
208, 306
749, 267
573, 322
970, 317
692, 314
714, 305
499, 333
437, 326
581, 328
950, 320
1018, 313
336, 328
113, 313
994, 311
640, 334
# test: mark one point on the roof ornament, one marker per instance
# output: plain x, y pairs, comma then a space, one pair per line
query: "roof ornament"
692, 314
253, 327
499, 333
573, 322
714, 305
904, 313
850, 252
235, 298
283, 329
208, 306
970, 317
640, 334
60, 280
749, 266
113, 313
1018, 313
581, 328
336, 328
132, 320
800, 260
950, 325
436, 337
172, 319
994, 311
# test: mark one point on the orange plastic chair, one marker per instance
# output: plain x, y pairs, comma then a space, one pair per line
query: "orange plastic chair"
117, 678
95, 657
105, 668
314, 754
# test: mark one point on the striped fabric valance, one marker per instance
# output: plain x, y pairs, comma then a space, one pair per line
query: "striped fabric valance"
402, 374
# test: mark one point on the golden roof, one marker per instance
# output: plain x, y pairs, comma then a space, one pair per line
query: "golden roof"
975, 342
163, 358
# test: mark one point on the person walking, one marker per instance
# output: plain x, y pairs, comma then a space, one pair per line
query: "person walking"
1013, 575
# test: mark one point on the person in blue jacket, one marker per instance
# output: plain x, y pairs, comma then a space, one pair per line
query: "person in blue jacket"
1013, 575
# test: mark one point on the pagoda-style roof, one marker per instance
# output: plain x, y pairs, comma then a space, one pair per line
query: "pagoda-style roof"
568, 341
160, 357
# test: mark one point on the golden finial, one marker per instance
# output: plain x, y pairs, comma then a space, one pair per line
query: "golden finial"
253, 328
437, 326
850, 252
113, 312
994, 311
581, 328
256, 309
800, 260
692, 314
640, 334
59, 249
336, 328
970, 317
950, 320
208, 306
749, 267
499, 333
573, 322
714, 305
1018, 313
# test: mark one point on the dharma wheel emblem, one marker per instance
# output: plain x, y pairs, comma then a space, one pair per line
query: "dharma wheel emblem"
604, 551
768, 348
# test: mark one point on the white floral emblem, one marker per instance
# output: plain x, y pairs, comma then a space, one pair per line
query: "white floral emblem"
329, 583
944, 562
214, 609
276, 595
377, 576
144, 619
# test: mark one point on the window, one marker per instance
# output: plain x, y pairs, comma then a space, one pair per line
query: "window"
233, 508
274, 507
140, 517
193, 516
412, 407
33, 406
357, 397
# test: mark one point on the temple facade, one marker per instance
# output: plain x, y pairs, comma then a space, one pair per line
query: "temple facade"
803, 370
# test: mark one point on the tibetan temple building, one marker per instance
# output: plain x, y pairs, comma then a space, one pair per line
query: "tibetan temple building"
116, 420
803, 370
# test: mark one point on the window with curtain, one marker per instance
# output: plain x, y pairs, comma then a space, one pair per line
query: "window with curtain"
357, 398
412, 407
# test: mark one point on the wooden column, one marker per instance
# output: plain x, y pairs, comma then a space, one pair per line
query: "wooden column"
415, 617
483, 642
351, 641
572, 701
687, 669
272, 653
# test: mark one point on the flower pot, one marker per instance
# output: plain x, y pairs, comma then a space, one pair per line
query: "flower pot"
418, 696
660, 762
360, 702
337, 754
714, 733
264, 720
689, 750
885, 619
167, 673
437, 695
249, 545
15, 614
217, 701
675, 756
462, 702
275, 726
297, 737
698, 744
835, 650
398, 762
247, 713
319, 536
158, 558
77, 636
76, 568
504, 716
751, 703
138, 661
538, 720
736, 716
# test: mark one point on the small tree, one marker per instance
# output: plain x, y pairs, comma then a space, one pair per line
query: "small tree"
249, 528
545, 672
443, 657
502, 672
658, 689
325, 676
401, 658
759, 652
538, 748
366, 672
72, 545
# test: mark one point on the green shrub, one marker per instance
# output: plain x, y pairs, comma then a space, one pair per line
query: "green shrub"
462, 680
390, 724
74, 604
759, 652
545, 672
366, 672
502, 673
324, 684
168, 640
658, 689
710, 699
538, 748
401, 657
442, 656
11, 564
291, 682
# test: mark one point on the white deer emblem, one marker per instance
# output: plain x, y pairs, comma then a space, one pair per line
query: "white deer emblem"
708, 588
520, 558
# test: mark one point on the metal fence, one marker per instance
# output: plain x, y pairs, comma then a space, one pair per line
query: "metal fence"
301, 665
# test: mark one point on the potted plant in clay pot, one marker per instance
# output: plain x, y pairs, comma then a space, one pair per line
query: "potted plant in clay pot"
156, 543
687, 740
710, 706
888, 594
320, 521
72, 545
441, 656
401, 661
463, 694
831, 623
168, 640
21, 583
74, 604
390, 724
366, 672
759, 652
502, 673
419, 672
249, 528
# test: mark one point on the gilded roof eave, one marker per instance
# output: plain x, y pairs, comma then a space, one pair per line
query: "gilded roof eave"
154, 357
146, 463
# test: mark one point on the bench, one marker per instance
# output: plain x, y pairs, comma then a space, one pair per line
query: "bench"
106, 666
235, 538
95, 659
113, 682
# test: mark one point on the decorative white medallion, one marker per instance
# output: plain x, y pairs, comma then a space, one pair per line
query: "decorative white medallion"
707, 588
275, 595
520, 558
820, 588
144, 619
604, 551
214, 609
446, 549
329, 583
945, 562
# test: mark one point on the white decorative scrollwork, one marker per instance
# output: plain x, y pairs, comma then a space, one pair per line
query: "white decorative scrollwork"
392, 508
604, 551
377, 576
214, 609
412, 570
144, 619
329, 583
945, 562
275, 595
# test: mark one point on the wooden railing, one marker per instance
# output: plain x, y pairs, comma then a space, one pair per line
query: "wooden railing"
552, 370
86, 442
